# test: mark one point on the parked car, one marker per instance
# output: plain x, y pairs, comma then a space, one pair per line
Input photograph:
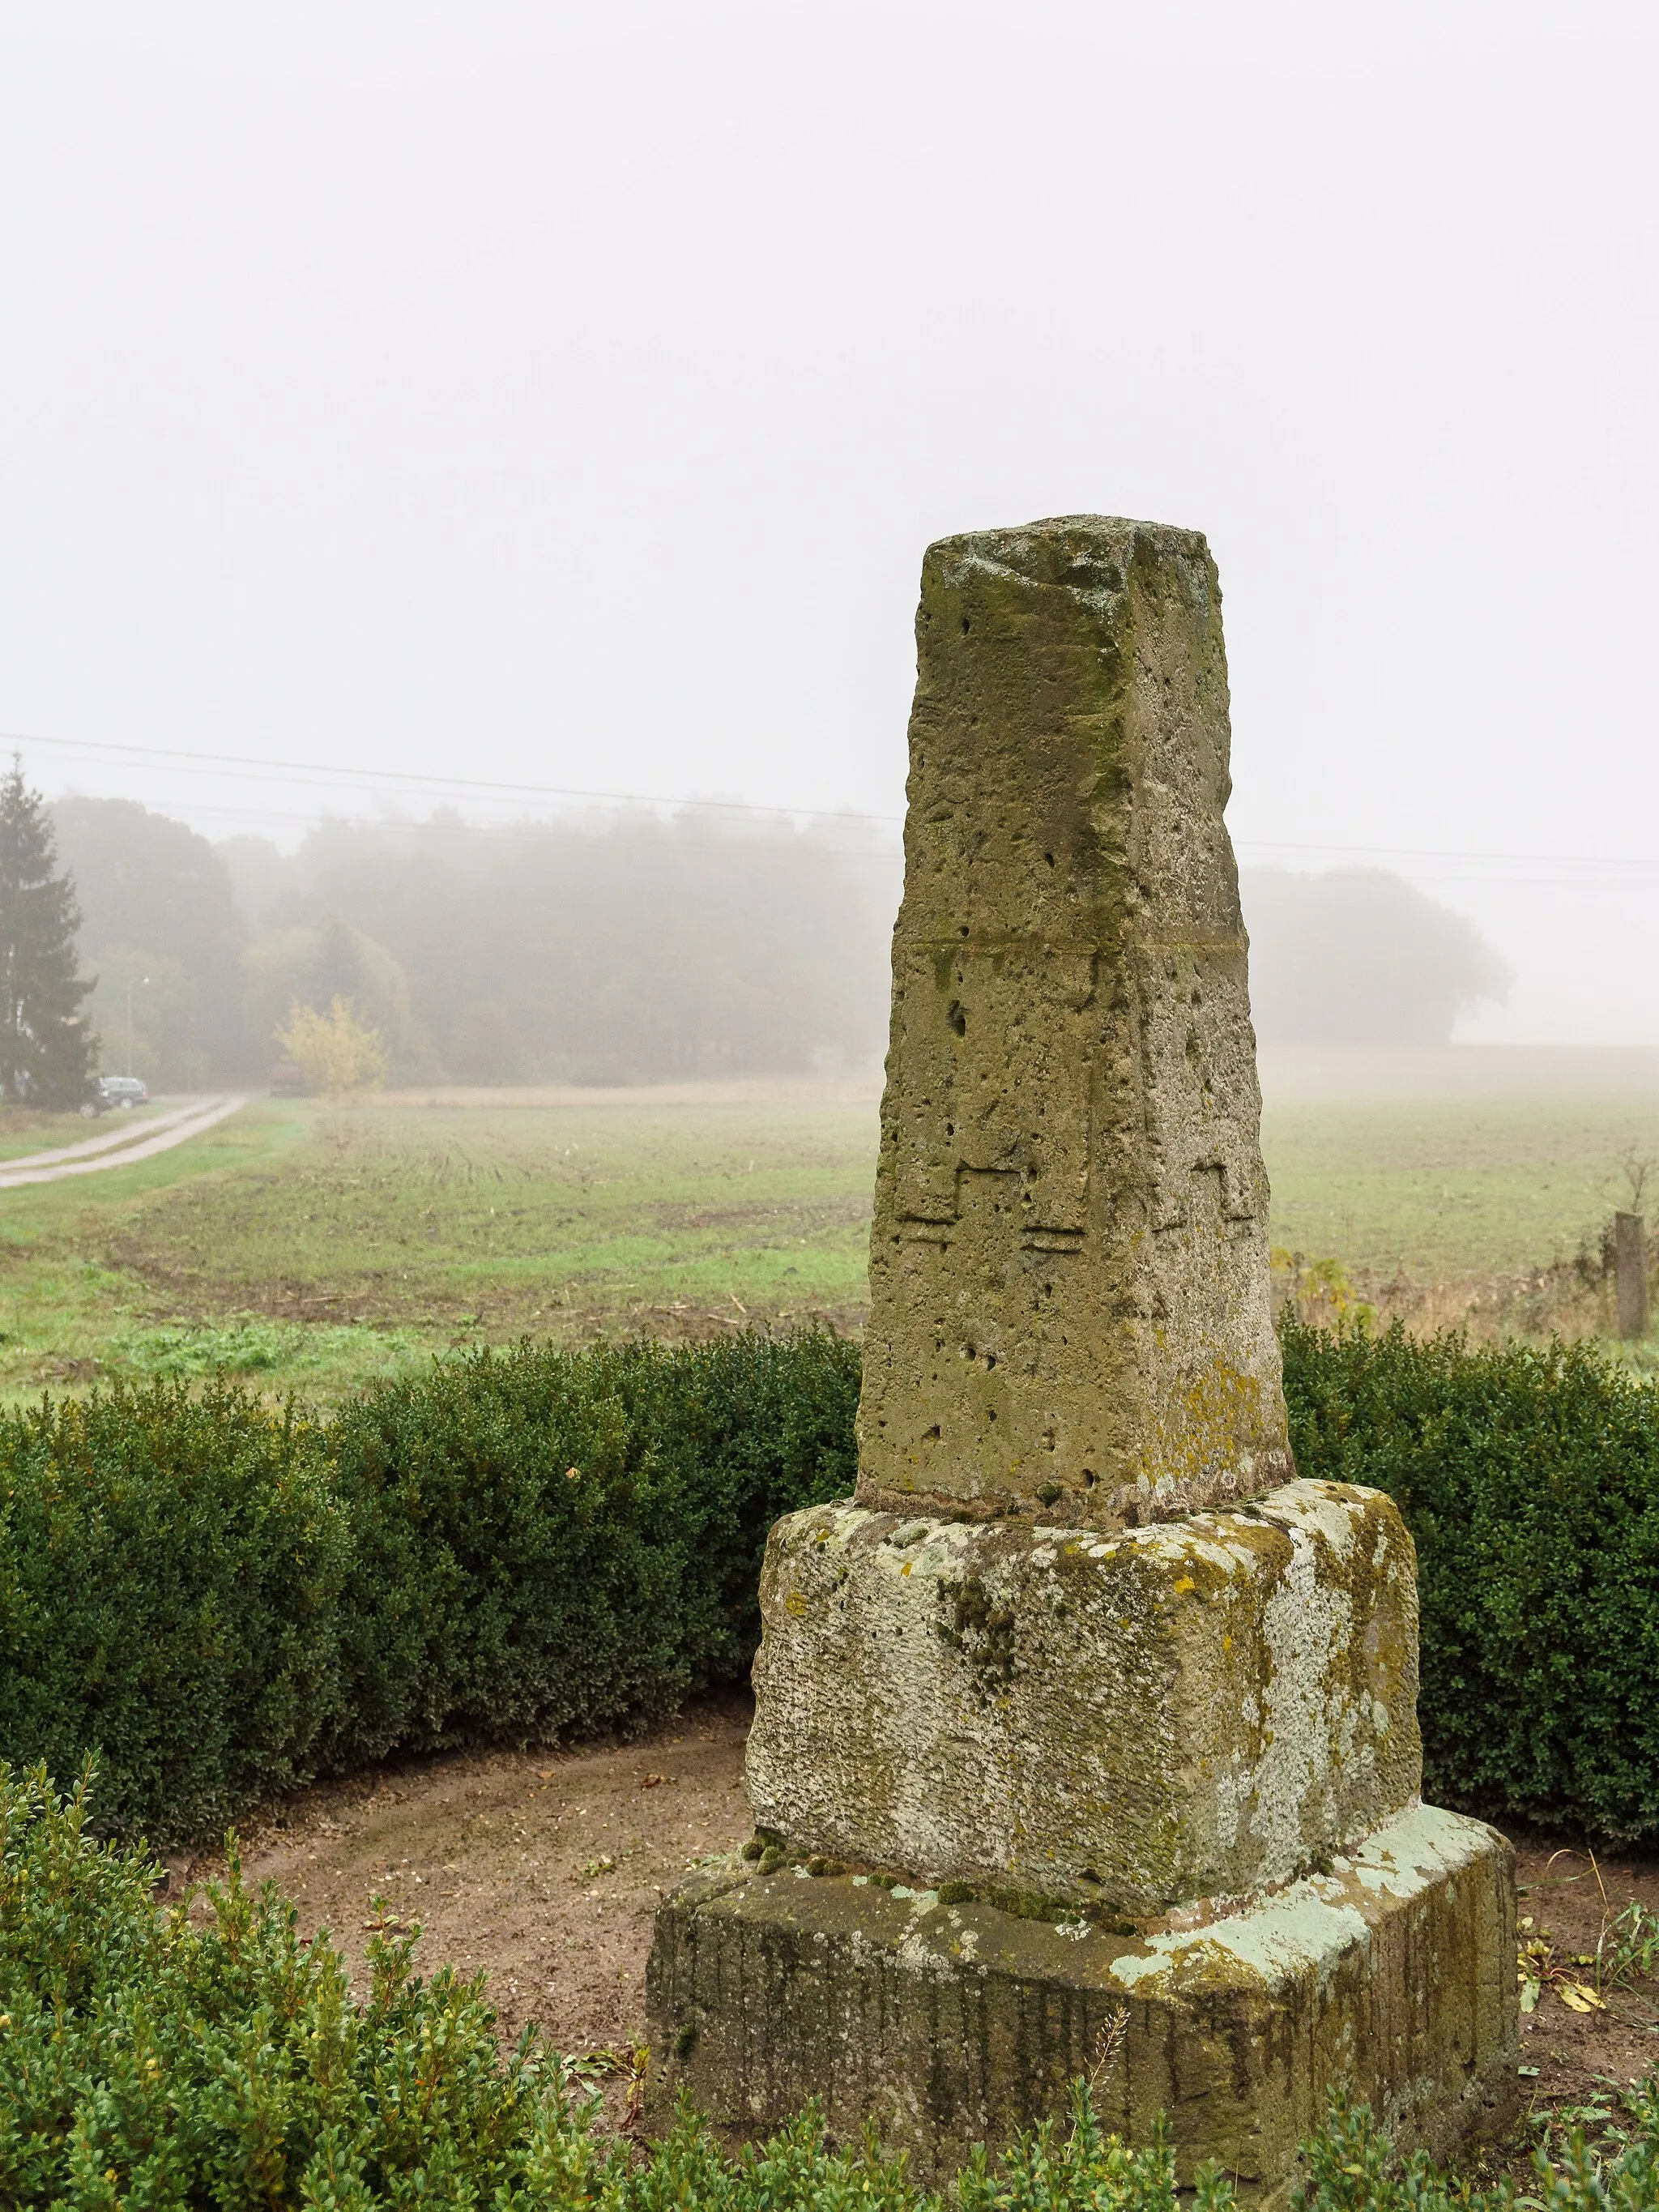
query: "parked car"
286, 1080
125, 1091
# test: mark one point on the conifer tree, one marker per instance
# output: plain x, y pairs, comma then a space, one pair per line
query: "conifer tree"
47, 1047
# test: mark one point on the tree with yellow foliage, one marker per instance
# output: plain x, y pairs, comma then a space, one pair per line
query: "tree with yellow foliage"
335, 1052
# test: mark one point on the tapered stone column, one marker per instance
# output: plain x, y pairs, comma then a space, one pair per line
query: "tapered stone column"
1068, 1274
1085, 1719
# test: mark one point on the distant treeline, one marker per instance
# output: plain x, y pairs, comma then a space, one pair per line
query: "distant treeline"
625, 948
1361, 957
615, 949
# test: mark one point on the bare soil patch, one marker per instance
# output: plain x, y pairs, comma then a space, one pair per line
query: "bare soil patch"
1570, 1902
543, 1868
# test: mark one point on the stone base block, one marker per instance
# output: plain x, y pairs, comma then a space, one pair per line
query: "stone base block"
948, 2025
1203, 1709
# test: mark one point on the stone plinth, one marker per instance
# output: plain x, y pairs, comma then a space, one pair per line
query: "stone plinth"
1130, 1720
947, 2025
1068, 1270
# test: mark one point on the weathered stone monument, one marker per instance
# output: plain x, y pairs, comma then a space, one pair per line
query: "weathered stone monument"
1086, 1736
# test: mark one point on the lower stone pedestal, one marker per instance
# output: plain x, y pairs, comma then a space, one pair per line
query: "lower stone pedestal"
948, 2024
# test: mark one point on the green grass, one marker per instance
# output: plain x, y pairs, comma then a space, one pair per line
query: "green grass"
1452, 1192
310, 1247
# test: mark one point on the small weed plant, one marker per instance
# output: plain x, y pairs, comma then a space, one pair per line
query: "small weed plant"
1629, 1947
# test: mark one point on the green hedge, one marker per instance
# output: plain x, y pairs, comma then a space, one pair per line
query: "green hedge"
549, 1542
223, 1600
171, 1575
150, 2063
1530, 1481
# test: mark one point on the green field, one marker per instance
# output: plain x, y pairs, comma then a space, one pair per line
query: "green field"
1451, 1192
312, 1246
309, 1247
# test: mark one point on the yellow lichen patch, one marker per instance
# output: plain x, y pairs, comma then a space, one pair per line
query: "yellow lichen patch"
948, 1721
1211, 1429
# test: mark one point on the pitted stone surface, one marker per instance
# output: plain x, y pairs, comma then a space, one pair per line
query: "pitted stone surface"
1069, 1277
1135, 1719
1391, 1976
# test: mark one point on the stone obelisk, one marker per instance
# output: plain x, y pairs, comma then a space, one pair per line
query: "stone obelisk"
1085, 1719
1069, 1287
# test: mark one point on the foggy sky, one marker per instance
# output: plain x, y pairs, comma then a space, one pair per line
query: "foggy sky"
563, 395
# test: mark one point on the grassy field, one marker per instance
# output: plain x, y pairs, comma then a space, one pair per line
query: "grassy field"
1446, 1193
310, 1247
1452, 1188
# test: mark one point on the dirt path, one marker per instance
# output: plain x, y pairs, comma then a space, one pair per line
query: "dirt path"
120, 1147
545, 1869
129, 1127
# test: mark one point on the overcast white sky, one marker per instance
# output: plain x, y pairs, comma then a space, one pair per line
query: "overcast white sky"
563, 395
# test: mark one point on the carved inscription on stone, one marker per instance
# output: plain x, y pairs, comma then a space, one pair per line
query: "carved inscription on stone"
987, 1105
1070, 1304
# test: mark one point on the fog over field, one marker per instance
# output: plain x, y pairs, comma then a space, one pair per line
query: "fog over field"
624, 948
513, 408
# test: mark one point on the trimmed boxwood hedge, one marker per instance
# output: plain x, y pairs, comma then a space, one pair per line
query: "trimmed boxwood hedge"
1530, 1481
550, 1542
223, 1599
172, 1571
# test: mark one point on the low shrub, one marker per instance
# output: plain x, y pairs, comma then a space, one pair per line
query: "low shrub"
222, 1600
149, 2060
1530, 1481
550, 1542
171, 1571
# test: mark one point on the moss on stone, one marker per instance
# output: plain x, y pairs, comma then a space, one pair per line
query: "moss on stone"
946, 2022
1069, 1271
1194, 1709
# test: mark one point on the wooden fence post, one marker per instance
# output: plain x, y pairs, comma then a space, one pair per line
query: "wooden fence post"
1629, 1254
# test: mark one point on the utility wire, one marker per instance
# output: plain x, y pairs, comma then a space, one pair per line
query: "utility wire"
507, 833
299, 771
243, 765
1447, 853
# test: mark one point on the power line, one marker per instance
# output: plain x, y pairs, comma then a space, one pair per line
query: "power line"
299, 771
887, 856
804, 848
1447, 853
241, 765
